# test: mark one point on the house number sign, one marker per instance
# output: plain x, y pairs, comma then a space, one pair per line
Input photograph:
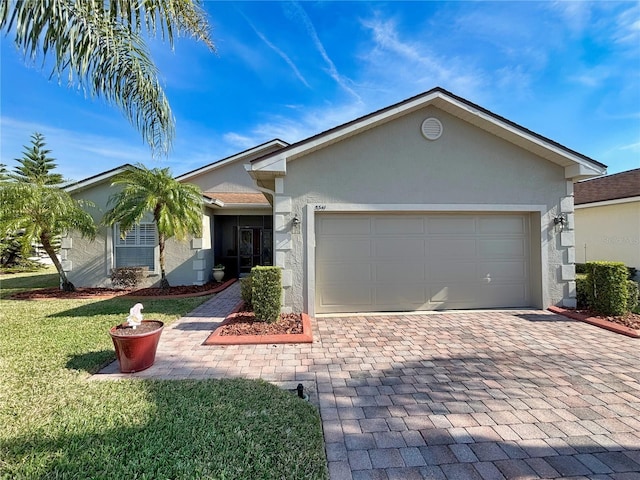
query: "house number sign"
321, 207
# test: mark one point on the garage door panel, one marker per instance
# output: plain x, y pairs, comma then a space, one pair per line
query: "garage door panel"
409, 224
345, 225
451, 248
345, 295
414, 262
439, 272
405, 293
389, 272
503, 270
345, 248
505, 224
509, 295
501, 248
395, 247
347, 272
440, 225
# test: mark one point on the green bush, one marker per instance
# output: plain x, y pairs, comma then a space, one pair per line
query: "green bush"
246, 290
582, 293
581, 268
265, 293
633, 294
608, 294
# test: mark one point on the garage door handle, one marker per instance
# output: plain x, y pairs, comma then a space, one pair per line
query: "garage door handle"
487, 279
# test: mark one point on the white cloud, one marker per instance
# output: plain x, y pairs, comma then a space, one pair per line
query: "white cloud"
341, 80
401, 62
279, 52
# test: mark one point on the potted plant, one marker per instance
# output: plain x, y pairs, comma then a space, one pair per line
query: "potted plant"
218, 272
136, 341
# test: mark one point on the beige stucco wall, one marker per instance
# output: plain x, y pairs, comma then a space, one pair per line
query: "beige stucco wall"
609, 232
395, 164
231, 177
89, 262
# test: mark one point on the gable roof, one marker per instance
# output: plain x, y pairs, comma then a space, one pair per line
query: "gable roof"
612, 187
245, 155
95, 179
576, 165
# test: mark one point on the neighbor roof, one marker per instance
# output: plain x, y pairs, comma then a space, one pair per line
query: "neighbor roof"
576, 164
612, 187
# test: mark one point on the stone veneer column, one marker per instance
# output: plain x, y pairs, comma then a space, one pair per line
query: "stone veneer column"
282, 208
567, 243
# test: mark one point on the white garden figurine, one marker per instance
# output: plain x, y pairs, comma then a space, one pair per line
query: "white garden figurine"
135, 315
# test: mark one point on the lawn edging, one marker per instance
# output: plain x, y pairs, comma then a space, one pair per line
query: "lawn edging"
216, 339
217, 289
598, 322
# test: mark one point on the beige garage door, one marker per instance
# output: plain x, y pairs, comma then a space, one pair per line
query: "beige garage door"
404, 262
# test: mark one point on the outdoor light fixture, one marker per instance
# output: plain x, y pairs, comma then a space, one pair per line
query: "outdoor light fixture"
295, 221
560, 220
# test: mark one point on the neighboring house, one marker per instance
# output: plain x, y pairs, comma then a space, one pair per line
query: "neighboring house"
608, 218
431, 203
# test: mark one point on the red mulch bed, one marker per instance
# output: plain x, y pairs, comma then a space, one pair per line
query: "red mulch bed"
88, 293
245, 323
630, 320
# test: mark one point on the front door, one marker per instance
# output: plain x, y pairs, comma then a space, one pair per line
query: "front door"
250, 249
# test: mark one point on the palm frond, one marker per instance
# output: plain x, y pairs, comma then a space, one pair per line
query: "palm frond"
99, 46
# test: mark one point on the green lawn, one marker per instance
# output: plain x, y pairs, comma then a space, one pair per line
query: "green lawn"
56, 424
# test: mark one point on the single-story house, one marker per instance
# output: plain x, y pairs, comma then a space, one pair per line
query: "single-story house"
607, 214
431, 203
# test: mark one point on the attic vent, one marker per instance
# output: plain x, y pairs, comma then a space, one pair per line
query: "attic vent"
431, 128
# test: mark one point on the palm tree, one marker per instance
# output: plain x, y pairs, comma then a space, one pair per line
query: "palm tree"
33, 202
176, 207
100, 47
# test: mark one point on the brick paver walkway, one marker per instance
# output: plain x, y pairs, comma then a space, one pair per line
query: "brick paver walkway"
477, 395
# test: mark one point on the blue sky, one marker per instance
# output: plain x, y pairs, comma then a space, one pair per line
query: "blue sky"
566, 70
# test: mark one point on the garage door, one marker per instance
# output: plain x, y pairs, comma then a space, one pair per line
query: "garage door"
404, 262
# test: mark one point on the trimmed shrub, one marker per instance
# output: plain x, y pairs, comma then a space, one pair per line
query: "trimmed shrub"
127, 277
608, 293
633, 294
265, 293
581, 268
582, 293
246, 290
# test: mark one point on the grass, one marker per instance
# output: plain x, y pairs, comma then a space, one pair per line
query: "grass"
56, 424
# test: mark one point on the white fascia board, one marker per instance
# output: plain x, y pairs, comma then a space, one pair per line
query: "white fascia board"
84, 184
231, 159
581, 171
605, 203
212, 202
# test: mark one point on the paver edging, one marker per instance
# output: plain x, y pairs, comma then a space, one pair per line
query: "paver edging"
598, 322
216, 339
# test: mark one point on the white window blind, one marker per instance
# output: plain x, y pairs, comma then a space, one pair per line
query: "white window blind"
137, 248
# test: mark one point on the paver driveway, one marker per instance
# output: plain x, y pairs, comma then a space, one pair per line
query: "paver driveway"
482, 395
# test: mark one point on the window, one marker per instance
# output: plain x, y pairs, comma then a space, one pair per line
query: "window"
137, 249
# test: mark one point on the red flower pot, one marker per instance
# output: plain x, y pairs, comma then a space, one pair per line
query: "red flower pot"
136, 348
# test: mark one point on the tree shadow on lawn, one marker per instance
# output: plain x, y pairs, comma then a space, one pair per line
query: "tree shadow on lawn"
232, 429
